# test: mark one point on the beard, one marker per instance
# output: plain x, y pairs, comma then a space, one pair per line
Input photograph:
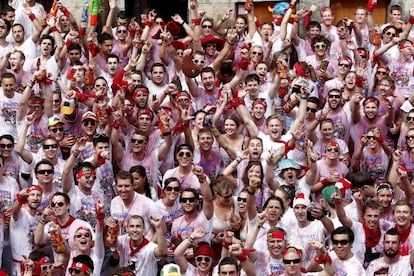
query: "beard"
390, 253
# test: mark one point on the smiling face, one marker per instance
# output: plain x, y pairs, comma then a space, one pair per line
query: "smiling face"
276, 247
59, 206
205, 141
371, 110
342, 246
275, 128
402, 216
371, 218
125, 189
188, 202
327, 130
208, 81
230, 126
83, 240
135, 229
385, 197
327, 17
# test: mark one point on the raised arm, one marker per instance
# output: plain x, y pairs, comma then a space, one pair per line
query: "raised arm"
108, 24
208, 207
157, 222
25, 154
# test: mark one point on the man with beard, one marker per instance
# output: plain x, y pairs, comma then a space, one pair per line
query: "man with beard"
206, 93
392, 263
9, 104
369, 118
23, 222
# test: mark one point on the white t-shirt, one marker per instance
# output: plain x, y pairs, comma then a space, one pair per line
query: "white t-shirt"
402, 267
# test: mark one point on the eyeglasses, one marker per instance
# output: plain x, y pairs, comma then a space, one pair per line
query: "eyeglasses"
80, 235
294, 261
9, 146
186, 153
207, 26
89, 123
121, 31
211, 45
54, 130
320, 46
45, 171
346, 65
52, 146
391, 34
370, 137
257, 53
334, 96
199, 61
313, 110
409, 137
341, 242
46, 267
60, 204
201, 258
242, 199
101, 85
187, 199
408, 119
169, 189
139, 141
382, 73
89, 177
333, 149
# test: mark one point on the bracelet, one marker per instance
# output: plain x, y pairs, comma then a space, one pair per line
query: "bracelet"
250, 193
324, 259
182, 23
325, 182
76, 153
32, 17
411, 20
42, 222
54, 29
190, 240
66, 12
202, 179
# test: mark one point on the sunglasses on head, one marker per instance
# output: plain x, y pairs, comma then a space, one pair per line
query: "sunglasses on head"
169, 189
89, 123
45, 171
52, 146
186, 153
9, 146
187, 199
54, 130
293, 261
80, 235
60, 204
242, 199
139, 141
201, 258
341, 242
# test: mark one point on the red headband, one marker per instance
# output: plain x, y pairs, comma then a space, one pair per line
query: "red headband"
142, 90
276, 235
182, 94
38, 266
84, 228
347, 60
384, 67
300, 70
82, 267
34, 188
403, 45
84, 171
370, 100
293, 250
146, 111
333, 144
261, 102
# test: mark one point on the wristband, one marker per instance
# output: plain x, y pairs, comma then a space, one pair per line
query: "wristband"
324, 259
291, 6
76, 153
380, 140
244, 63
226, 245
100, 216
411, 20
250, 193
196, 21
296, 20
42, 222
190, 240
67, 43
243, 256
54, 29
325, 182
32, 17
82, 32
202, 179
148, 23
66, 12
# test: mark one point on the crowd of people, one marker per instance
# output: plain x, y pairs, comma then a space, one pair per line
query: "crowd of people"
157, 146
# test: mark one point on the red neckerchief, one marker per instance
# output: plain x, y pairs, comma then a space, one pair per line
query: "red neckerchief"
372, 237
137, 249
69, 222
287, 147
403, 233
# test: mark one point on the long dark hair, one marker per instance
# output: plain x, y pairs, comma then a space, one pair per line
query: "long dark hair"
141, 171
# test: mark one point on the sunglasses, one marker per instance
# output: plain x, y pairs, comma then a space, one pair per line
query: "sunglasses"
187, 199
52, 146
391, 34
257, 53
344, 65
89, 123
370, 137
122, 31
207, 26
333, 149
341, 242
334, 96
169, 189
56, 101
80, 235
186, 153
313, 110
294, 261
382, 73
60, 204
408, 119
9, 146
242, 199
409, 137
46, 267
89, 177
100, 85
201, 258
139, 141
54, 130
45, 171
198, 61
320, 46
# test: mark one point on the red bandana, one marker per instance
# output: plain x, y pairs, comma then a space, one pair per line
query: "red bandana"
137, 249
372, 237
69, 222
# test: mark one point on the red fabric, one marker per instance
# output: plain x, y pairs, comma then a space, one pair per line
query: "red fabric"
137, 249
372, 236
69, 222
